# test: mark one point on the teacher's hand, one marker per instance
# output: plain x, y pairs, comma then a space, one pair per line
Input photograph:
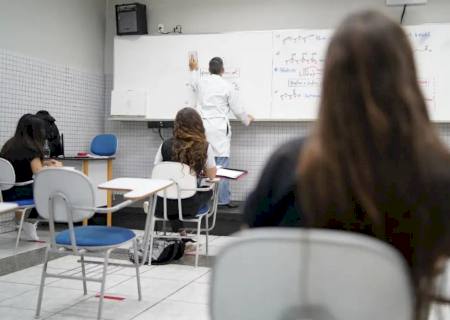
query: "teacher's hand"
193, 64
250, 119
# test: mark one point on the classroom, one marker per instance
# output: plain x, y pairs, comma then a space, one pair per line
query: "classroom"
224, 159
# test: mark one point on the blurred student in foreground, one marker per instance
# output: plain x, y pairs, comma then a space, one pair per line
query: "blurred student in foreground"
374, 163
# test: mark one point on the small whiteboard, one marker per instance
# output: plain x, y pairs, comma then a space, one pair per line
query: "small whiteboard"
129, 102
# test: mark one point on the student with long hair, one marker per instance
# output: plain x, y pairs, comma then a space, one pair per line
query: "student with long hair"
374, 163
188, 146
25, 152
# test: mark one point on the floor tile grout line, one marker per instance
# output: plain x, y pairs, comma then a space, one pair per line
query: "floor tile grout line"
42, 300
89, 295
165, 298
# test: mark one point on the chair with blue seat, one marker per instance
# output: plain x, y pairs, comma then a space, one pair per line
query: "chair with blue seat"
8, 181
67, 196
185, 186
104, 145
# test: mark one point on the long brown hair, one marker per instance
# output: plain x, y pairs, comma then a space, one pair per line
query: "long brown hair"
190, 146
30, 133
374, 163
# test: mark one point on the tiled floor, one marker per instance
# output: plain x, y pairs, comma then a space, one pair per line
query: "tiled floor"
8, 241
171, 291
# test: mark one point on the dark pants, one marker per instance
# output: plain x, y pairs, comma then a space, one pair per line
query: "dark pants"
20, 193
190, 208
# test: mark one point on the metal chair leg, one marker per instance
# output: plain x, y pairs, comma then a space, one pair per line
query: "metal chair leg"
197, 245
206, 234
137, 265
148, 245
41, 287
83, 273
19, 232
148, 234
164, 227
102, 290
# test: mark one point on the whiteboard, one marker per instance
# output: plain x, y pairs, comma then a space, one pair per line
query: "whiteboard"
129, 102
160, 64
278, 73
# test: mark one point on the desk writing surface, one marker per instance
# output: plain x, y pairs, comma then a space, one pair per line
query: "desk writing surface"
7, 206
138, 188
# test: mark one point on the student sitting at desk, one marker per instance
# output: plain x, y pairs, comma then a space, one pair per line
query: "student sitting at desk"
188, 146
25, 152
374, 163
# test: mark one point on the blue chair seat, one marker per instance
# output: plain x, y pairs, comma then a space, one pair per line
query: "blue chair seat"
96, 236
25, 202
202, 211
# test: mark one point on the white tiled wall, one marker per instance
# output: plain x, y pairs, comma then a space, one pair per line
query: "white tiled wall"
75, 98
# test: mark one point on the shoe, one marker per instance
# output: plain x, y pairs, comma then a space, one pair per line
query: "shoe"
29, 231
230, 205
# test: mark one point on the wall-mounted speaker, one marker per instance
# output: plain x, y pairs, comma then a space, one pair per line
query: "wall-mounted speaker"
131, 18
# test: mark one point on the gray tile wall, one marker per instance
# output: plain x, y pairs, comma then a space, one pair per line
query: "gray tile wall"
75, 98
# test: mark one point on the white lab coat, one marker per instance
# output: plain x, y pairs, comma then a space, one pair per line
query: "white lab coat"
215, 97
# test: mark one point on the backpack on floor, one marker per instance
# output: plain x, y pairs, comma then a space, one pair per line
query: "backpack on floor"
165, 250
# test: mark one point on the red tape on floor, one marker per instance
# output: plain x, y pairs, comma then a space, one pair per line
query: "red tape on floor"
110, 297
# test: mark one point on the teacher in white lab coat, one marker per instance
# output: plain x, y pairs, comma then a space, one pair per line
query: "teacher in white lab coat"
216, 97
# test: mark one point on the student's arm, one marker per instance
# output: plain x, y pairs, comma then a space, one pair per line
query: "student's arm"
237, 109
36, 165
211, 169
158, 156
195, 75
273, 201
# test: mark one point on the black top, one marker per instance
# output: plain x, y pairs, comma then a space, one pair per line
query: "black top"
273, 201
166, 150
20, 156
51, 133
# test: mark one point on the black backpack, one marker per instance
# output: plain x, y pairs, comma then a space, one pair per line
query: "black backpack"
51, 133
165, 250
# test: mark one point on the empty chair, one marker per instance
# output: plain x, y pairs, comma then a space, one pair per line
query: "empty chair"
66, 195
104, 145
185, 187
7, 181
290, 274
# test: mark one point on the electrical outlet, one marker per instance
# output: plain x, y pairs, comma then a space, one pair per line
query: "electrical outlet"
160, 27
177, 29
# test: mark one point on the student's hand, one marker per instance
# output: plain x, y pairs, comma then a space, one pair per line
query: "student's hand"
250, 119
193, 64
53, 163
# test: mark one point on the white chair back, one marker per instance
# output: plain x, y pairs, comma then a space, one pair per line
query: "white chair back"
7, 175
281, 274
180, 174
74, 185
